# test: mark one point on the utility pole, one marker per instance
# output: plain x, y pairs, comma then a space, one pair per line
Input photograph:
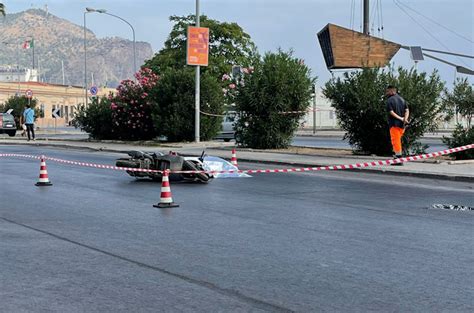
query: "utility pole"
198, 88
62, 69
314, 109
366, 17
33, 42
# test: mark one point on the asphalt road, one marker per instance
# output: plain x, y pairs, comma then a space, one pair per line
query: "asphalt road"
306, 242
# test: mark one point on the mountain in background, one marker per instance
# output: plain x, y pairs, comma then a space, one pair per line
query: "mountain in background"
58, 41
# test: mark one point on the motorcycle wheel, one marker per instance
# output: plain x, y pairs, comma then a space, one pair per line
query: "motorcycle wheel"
190, 166
127, 163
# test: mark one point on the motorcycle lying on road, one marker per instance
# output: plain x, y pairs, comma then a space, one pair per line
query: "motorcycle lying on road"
161, 162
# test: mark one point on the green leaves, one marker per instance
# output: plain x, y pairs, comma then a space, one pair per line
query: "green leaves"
359, 101
279, 84
228, 45
174, 115
460, 101
96, 119
461, 136
18, 104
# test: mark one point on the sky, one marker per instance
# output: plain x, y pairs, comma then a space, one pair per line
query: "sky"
291, 24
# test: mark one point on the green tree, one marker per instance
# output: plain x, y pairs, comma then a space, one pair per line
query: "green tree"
228, 45
95, 119
460, 102
18, 104
360, 106
2, 9
278, 83
174, 115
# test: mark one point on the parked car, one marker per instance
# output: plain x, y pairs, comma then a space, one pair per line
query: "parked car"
227, 132
7, 124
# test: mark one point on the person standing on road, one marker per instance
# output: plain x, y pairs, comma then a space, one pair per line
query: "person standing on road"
398, 114
29, 119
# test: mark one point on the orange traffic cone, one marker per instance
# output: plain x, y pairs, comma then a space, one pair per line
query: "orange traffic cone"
233, 160
166, 201
43, 176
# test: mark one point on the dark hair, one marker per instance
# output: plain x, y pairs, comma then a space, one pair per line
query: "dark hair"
391, 87
28, 106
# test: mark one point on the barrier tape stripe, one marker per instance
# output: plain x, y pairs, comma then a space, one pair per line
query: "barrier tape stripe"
258, 171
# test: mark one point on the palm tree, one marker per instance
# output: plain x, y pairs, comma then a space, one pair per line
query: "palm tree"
2, 9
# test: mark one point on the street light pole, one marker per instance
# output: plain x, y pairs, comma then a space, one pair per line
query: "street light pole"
85, 60
197, 125
133, 33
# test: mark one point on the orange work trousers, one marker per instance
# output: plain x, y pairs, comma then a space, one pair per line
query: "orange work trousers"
396, 134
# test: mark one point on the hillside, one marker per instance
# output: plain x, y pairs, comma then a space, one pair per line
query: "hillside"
57, 40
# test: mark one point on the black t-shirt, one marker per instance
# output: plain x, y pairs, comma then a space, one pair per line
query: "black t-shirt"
398, 105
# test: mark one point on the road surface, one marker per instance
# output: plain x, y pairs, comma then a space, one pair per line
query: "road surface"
305, 242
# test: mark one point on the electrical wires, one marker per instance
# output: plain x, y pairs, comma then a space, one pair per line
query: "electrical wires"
400, 5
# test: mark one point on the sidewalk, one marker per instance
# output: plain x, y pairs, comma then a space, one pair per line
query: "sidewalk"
436, 168
340, 133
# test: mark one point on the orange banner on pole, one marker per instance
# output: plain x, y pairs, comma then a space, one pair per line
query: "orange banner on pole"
198, 46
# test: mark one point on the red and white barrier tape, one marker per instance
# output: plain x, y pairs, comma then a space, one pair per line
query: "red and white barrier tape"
103, 166
286, 170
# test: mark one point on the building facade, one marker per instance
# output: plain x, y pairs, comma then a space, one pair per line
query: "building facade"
13, 74
50, 97
321, 115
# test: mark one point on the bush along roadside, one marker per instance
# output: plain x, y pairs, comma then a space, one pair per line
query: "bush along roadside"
278, 83
460, 102
461, 136
358, 98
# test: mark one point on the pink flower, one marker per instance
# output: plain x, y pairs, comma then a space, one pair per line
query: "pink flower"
225, 77
232, 86
113, 106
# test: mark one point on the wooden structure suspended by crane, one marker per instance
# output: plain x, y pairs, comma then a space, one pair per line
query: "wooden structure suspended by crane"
344, 48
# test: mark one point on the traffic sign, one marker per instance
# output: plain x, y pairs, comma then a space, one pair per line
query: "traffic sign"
29, 93
57, 113
93, 90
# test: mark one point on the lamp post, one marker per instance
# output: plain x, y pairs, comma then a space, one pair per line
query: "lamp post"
197, 104
103, 11
85, 59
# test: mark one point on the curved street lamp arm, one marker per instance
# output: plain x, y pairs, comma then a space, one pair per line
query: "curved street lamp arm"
133, 32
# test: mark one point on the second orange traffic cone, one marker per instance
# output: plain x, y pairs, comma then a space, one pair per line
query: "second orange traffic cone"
43, 176
233, 160
166, 201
